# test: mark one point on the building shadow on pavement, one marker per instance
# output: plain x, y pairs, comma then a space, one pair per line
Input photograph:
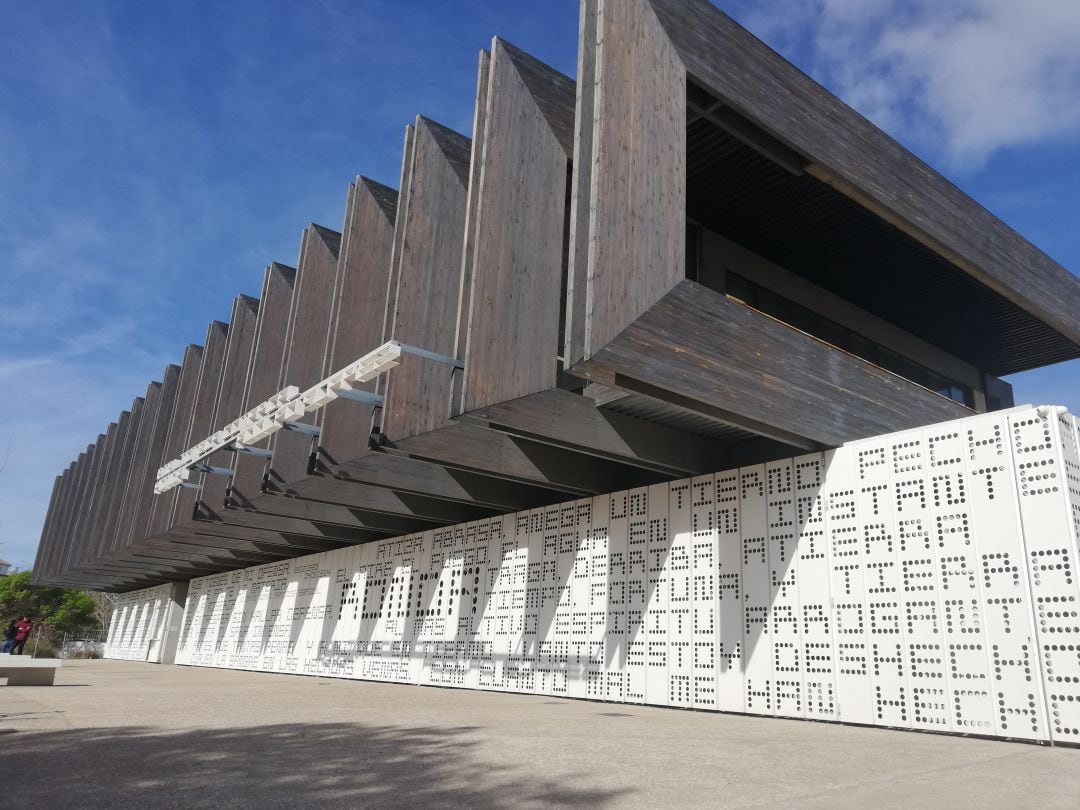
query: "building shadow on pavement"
329, 764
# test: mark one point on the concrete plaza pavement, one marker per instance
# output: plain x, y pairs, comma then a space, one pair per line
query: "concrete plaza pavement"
124, 734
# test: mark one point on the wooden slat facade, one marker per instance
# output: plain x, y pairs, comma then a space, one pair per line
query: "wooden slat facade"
202, 414
548, 256
518, 263
760, 373
358, 312
427, 269
264, 373
305, 359
230, 399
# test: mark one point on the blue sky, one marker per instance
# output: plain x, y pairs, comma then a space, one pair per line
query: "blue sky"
155, 157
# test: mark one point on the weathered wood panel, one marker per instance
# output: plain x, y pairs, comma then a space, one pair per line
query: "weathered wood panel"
468, 250
373, 498
100, 486
430, 480
136, 469
359, 311
341, 515
472, 448
86, 469
88, 493
307, 540
98, 490
230, 400
408, 158
756, 372
581, 186
149, 459
858, 158
176, 441
119, 472
428, 280
306, 345
637, 173
264, 375
516, 295
202, 413
220, 559
568, 420
258, 526
45, 539
51, 537
71, 506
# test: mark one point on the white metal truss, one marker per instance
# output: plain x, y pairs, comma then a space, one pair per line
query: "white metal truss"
287, 406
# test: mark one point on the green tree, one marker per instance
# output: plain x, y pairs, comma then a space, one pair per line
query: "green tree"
54, 610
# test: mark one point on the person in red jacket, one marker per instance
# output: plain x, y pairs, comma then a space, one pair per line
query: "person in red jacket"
23, 627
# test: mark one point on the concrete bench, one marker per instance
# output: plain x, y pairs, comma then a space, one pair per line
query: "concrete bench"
22, 670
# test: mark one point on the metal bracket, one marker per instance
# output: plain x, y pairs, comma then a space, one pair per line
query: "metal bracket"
250, 451
438, 358
211, 469
301, 427
367, 398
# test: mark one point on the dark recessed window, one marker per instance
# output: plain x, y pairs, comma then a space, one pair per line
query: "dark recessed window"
801, 318
773, 304
804, 319
738, 287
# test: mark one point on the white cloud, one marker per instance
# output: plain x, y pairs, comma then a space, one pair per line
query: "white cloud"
965, 78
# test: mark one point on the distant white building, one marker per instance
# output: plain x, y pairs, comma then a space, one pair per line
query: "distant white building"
5, 568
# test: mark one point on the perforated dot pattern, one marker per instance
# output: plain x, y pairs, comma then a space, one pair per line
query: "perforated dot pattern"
926, 579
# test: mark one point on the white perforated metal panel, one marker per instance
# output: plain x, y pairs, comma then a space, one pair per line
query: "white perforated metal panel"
1044, 456
785, 610
757, 596
704, 568
731, 619
815, 598
138, 625
924, 579
680, 590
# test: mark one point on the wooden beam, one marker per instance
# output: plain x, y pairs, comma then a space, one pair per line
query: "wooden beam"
571, 421
756, 372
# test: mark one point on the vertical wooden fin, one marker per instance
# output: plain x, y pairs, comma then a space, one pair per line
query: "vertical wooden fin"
264, 372
359, 308
202, 414
305, 358
475, 169
519, 261
430, 231
143, 492
176, 443
637, 173
230, 399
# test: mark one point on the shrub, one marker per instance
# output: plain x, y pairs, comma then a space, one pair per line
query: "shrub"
44, 649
